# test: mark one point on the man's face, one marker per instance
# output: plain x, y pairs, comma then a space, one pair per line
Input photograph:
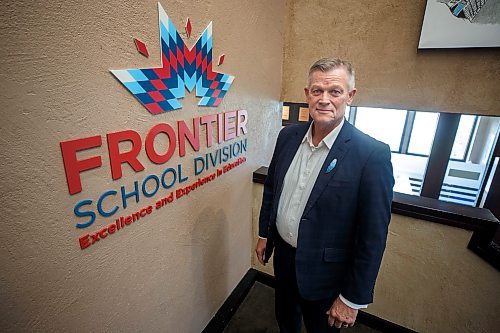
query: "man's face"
328, 95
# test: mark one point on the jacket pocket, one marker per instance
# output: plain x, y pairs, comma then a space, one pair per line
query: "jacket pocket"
336, 255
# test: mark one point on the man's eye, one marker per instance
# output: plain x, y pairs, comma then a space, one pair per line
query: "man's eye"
316, 92
336, 92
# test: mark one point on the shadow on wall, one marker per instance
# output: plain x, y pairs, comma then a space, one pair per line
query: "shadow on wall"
210, 265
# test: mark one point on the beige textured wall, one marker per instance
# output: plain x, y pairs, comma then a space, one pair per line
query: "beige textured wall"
429, 281
381, 39
171, 272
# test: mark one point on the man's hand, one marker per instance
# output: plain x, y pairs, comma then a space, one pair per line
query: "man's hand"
341, 315
260, 249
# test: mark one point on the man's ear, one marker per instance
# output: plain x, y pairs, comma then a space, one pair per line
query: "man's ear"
306, 91
351, 96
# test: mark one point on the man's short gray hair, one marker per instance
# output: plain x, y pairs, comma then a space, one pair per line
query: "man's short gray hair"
327, 64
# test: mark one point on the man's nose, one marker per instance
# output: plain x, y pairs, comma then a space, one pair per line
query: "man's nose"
324, 98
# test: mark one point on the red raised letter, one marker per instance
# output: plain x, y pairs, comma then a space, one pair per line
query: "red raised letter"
72, 166
208, 121
102, 233
229, 127
111, 228
116, 158
192, 137
150, 143
241, 127
84, 241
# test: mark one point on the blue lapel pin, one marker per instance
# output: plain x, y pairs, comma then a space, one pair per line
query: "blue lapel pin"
331, 166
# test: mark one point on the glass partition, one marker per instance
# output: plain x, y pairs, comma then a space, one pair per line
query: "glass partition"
470, 156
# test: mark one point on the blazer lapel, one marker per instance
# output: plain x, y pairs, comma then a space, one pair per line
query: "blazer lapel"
338, 151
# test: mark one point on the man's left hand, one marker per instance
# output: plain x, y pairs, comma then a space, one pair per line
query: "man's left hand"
340, 315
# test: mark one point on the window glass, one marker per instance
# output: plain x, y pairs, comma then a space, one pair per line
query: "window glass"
347, 112
422, 133
385, 125
409, 171
464, 132
463, 179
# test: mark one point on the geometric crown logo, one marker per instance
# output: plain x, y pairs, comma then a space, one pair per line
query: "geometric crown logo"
159, 89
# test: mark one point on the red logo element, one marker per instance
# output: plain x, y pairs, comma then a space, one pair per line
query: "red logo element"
221, 60
141, 47
188, 27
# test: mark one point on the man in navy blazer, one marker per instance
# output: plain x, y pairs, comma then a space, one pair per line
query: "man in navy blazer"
326, 209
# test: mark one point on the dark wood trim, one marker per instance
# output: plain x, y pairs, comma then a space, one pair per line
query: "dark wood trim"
479, 220
230, 306
259, 175
484, 246
433, 210
440, 154
381, 324
265, 278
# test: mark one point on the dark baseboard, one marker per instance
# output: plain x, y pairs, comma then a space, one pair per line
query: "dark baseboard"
265, 278
227, 310
380, 324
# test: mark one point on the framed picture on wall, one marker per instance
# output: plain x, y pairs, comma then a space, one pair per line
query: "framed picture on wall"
293, 113
303, 114
285, 113
460, 24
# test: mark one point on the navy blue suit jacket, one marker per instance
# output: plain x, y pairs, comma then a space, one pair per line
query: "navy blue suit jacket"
343, 229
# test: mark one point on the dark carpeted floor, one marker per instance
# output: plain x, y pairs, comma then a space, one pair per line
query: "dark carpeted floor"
256, 314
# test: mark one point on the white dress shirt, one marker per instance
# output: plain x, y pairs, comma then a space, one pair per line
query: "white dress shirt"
298, 184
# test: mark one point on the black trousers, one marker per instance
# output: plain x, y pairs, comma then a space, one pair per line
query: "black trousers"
290, 307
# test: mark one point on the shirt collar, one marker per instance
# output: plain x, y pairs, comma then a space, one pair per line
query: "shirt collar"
328, 140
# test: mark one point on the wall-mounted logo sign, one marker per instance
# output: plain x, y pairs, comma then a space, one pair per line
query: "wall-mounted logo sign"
159, 89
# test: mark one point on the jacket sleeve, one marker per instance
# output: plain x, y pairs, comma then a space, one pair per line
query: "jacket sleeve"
374, 213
